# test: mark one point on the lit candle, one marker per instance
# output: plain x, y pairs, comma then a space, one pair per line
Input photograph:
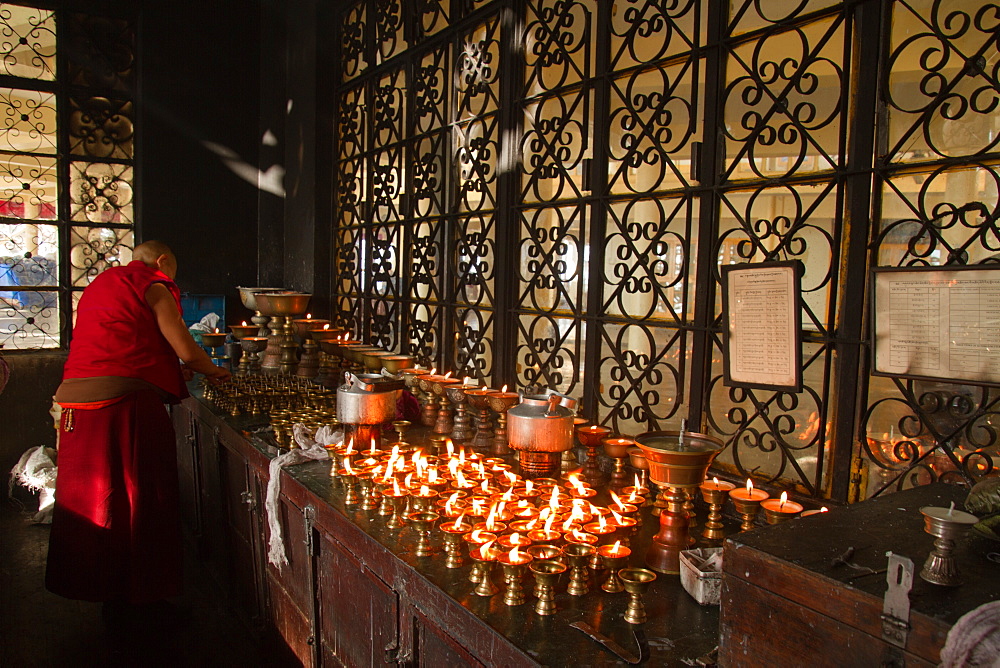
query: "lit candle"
616, 550
514, 540
750, 494
717, 485
782, 505
576, 536
516, 557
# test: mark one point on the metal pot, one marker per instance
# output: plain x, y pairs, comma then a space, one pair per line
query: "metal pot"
359, 401
541, 423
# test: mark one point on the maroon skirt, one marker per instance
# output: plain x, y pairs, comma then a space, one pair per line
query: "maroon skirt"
116, 524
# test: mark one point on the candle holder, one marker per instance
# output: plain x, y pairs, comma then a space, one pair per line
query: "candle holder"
546, 574
617, 449
429, 410
677, 461
252, 346
453, 542
946, 525
475, 540
282, 307
779, 511
214, 341
308, 364
385, 505
714, 494
394, 364
461, 430
400, 427
423, 521
501, 402
423, 499
614, 562
369, 495
398, 501
514, 564
747, 503
444, 421
579, 555
349, 478
483, 438
591, 438
636, 581
248, 295
484, 557
544, 552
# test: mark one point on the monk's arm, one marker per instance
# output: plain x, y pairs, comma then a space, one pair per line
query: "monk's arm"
177, 335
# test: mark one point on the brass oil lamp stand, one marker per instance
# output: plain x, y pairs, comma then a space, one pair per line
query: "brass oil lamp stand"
478, 400
677, 461
501, 402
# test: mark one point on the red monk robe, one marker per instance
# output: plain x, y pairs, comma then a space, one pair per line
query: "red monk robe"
116, 529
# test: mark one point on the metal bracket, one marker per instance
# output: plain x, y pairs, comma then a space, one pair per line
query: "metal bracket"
309, 516
896, 608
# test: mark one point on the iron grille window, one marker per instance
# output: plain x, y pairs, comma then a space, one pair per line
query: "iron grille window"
542, 192
66, 164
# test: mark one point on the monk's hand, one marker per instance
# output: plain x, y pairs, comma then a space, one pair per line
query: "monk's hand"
187, 372
218, 375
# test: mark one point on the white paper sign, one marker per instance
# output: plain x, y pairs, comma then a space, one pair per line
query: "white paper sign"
941, 324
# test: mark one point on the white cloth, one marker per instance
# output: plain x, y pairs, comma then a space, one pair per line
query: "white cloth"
36, 470
974, 640
308, 450
209, 323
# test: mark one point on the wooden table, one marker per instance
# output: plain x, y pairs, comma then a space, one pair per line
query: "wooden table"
354, 592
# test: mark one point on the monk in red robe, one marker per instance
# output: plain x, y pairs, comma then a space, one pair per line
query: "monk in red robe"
116, 527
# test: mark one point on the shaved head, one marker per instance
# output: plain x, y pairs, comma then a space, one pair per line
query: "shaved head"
148, 252
156, 255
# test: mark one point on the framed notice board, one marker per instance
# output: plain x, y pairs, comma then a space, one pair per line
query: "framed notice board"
762, 344
938, 323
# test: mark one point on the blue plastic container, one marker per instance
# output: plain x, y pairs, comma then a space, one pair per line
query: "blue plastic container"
197, 307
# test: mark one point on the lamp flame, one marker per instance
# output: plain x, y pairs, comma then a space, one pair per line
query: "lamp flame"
784, 500
484, 550
458, 521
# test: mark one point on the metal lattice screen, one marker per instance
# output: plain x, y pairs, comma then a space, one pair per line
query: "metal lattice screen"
543, 192
67, 179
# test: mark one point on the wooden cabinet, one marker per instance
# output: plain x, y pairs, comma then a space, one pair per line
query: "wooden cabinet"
354, 593
337, 602
786, 592
359, 613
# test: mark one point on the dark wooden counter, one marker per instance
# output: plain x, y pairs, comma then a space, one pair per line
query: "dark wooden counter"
784, 594
354, 593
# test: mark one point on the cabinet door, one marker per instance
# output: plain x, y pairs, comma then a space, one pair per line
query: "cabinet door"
187, 468
437, 649
359, 614
290, 588
240, 498
212, 547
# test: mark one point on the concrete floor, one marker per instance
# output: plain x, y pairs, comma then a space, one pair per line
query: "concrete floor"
41, 629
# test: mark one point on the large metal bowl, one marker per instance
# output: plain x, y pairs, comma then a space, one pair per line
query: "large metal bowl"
248, 296
282, 303
677, 462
